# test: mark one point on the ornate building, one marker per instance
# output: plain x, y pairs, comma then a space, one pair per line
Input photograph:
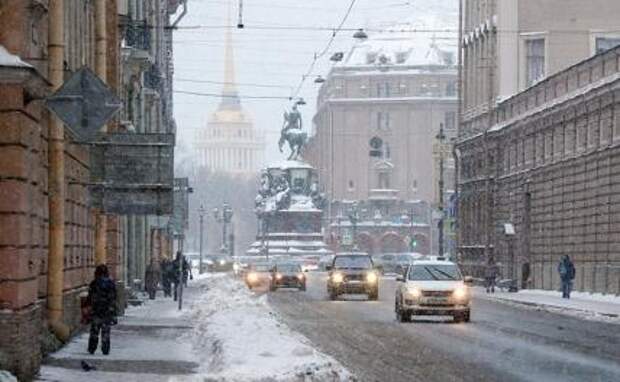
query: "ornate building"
230, 143
374, 140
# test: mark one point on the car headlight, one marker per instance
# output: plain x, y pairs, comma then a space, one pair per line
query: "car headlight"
222, 262
460, 293
300, 276
371, 277
252, 277
414, 292
278, 276
235, 267
337, 278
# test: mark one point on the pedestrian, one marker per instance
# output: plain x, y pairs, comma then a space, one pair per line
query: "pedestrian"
166, 277
151, 279
491, 271
566, 268
102, 299
187, 271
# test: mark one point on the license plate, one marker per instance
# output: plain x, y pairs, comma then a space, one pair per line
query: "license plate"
354, 282
436, 300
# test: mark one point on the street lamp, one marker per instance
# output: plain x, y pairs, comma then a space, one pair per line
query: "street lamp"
354, 218
360, 35
223, 216
201, 213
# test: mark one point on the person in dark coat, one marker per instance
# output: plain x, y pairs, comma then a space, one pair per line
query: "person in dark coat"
166, 277
180, 261
152, 277
102, 299
491, 271
566, 269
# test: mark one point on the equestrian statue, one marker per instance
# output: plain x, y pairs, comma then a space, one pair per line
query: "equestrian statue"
293, 134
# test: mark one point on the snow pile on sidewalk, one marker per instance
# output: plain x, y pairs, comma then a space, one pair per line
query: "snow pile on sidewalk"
240, 338
597, 307
5, 376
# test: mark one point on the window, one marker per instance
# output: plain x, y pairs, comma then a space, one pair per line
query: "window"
534, 60
383, 121
605, 43
450, 120
451, 89
351, 185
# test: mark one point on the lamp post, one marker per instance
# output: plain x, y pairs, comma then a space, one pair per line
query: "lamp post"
441, 137
354, 217
224, 216
201, 213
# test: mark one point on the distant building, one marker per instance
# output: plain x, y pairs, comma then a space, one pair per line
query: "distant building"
394, 89
538, 141
229, 143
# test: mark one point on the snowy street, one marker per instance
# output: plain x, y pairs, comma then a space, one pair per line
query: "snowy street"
505, 341
224, 333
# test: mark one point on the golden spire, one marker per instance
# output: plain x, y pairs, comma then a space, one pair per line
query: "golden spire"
229, 92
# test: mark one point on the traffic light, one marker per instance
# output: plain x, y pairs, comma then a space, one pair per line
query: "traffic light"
413, 244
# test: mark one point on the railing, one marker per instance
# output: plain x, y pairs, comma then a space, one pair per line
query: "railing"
567, 81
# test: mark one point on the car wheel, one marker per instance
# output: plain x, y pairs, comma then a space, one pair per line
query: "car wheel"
403, 316
373, 296
466, 317
333, 296
302, 288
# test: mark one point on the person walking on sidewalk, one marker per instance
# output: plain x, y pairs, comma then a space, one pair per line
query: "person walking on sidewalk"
102, 299
151, 279
166, 277
491, 271
566, 268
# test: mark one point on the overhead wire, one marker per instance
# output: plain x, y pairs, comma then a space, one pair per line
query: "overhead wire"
324, 51
232, 83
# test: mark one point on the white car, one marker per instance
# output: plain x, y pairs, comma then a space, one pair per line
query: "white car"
433, 287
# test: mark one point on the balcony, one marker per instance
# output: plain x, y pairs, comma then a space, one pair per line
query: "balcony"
383, 194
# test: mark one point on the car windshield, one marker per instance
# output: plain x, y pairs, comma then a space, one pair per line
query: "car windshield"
361, 262
428, 272
262, 268
288, 268
404, 258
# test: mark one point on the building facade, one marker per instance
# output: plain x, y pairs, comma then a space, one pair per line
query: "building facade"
230, 143
536, 142
375, 136
27, 332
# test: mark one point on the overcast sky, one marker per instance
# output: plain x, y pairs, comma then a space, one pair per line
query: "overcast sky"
276, 58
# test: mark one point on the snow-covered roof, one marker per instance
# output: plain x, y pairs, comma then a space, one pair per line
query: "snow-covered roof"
11, 60
403, 47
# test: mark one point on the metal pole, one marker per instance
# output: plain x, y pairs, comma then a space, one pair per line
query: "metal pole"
180, 280
101, 223
201, 240
441, 187
56, 178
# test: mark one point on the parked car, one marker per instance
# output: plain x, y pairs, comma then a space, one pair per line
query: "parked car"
433, 287
352, 273
288, 275
220, 264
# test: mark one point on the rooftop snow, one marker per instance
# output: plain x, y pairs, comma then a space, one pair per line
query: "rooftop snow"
288, 164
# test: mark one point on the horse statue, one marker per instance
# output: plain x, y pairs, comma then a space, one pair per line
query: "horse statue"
292, 133
296, 140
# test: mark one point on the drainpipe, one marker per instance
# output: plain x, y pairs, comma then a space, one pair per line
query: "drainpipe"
101, 221
56, 178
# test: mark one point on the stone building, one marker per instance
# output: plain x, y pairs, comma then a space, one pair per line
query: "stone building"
394, 89
230, 143
24, 168
536, 141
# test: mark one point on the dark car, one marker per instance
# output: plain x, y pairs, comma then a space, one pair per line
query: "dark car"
287, 276
353, 273
220, 264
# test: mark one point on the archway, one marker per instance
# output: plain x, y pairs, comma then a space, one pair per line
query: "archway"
391, 242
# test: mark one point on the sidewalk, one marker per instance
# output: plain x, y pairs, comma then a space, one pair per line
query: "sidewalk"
224, 333
584, 305
147, 345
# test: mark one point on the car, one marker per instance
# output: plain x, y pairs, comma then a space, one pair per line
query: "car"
324, 262
258, 274
385, 262
352, 273
287, 276
433, 287
220, 264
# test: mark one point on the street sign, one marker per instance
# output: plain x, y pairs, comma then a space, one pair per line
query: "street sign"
180, 215
84, 103
133, 173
